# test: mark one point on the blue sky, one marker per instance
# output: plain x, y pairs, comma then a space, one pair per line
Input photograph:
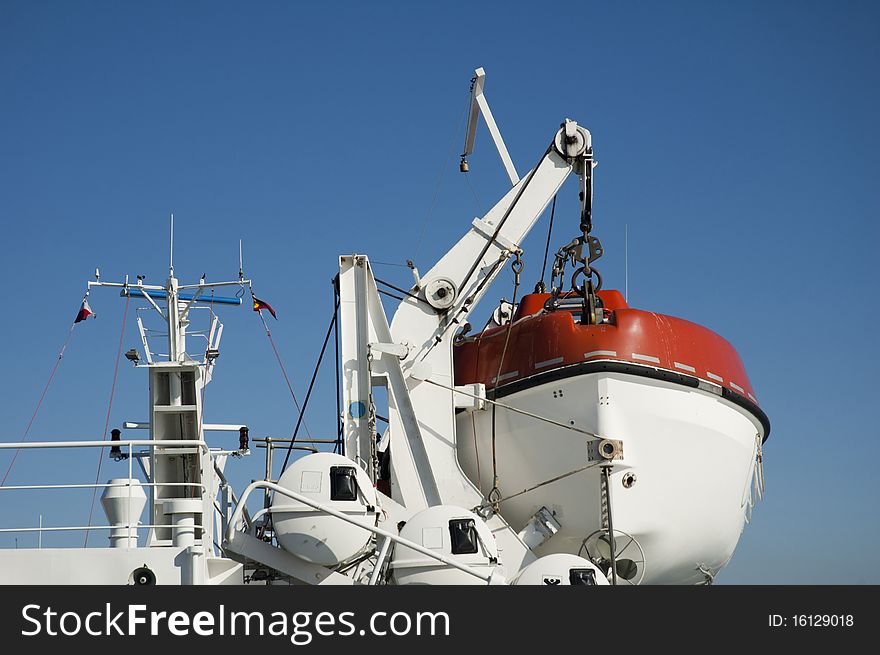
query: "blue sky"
736, 140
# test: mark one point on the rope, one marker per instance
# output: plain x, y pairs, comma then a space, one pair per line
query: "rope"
390, 295
546, 482
377, 263
490, 242
107, 420
517, 410
40, 401
311, 386
398, 289
477, 202
504, 253
284, 372
337, 448
502, 258
547, 247
517, 267
441, 176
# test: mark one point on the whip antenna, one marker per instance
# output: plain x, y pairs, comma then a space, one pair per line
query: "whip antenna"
171, 250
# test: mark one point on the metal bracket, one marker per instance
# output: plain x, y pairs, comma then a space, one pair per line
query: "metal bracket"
397, 349
605, 450
488, 231
540, 528
596, 249
473, 397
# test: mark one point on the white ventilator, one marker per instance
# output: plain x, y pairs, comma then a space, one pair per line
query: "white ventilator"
123, 501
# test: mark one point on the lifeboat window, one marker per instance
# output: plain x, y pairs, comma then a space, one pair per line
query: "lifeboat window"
343, 484
582, 577
464, 536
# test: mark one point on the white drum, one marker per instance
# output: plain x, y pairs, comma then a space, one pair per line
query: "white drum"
312, 534
561, 569
451, 531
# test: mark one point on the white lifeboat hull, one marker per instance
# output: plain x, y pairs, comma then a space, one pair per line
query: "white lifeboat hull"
693, 455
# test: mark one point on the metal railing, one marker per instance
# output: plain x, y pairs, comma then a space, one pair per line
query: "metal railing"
163, 447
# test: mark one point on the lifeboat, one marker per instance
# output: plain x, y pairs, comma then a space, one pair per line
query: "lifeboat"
672, 394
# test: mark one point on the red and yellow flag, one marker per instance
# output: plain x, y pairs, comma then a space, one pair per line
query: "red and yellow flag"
262, 304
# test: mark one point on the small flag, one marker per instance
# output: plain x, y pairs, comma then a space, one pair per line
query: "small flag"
84, 312
262, 304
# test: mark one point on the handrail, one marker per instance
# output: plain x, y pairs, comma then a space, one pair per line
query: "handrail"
262, 484
138, 526
171, 443
108, 485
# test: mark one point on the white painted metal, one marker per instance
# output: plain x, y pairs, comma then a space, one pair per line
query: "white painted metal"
145, 342
693, 453
413, 476
359, 416
430, 529
182, 473
182, 513
543, 525
555, 570
123, 501
236, 541
80, 566
247, 547
425, 469
125, 443
470, 396
479, 105
380, 560
311, 534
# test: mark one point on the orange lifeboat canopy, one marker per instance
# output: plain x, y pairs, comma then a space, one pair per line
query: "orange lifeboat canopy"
550, 344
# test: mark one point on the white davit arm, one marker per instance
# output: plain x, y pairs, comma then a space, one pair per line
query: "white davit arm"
426, 325
479, 105
454, 286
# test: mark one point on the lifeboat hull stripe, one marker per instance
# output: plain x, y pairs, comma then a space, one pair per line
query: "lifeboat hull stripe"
685, 367
506, 376
712, 376
646, 358
549, 362
601, 353
585, 368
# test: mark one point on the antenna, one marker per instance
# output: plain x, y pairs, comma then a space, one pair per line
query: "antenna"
171, 250
626, 262
240, 266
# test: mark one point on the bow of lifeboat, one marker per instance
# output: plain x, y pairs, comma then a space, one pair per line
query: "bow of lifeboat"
673, 392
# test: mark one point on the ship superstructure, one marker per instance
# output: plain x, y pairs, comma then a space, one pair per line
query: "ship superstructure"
573, 440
